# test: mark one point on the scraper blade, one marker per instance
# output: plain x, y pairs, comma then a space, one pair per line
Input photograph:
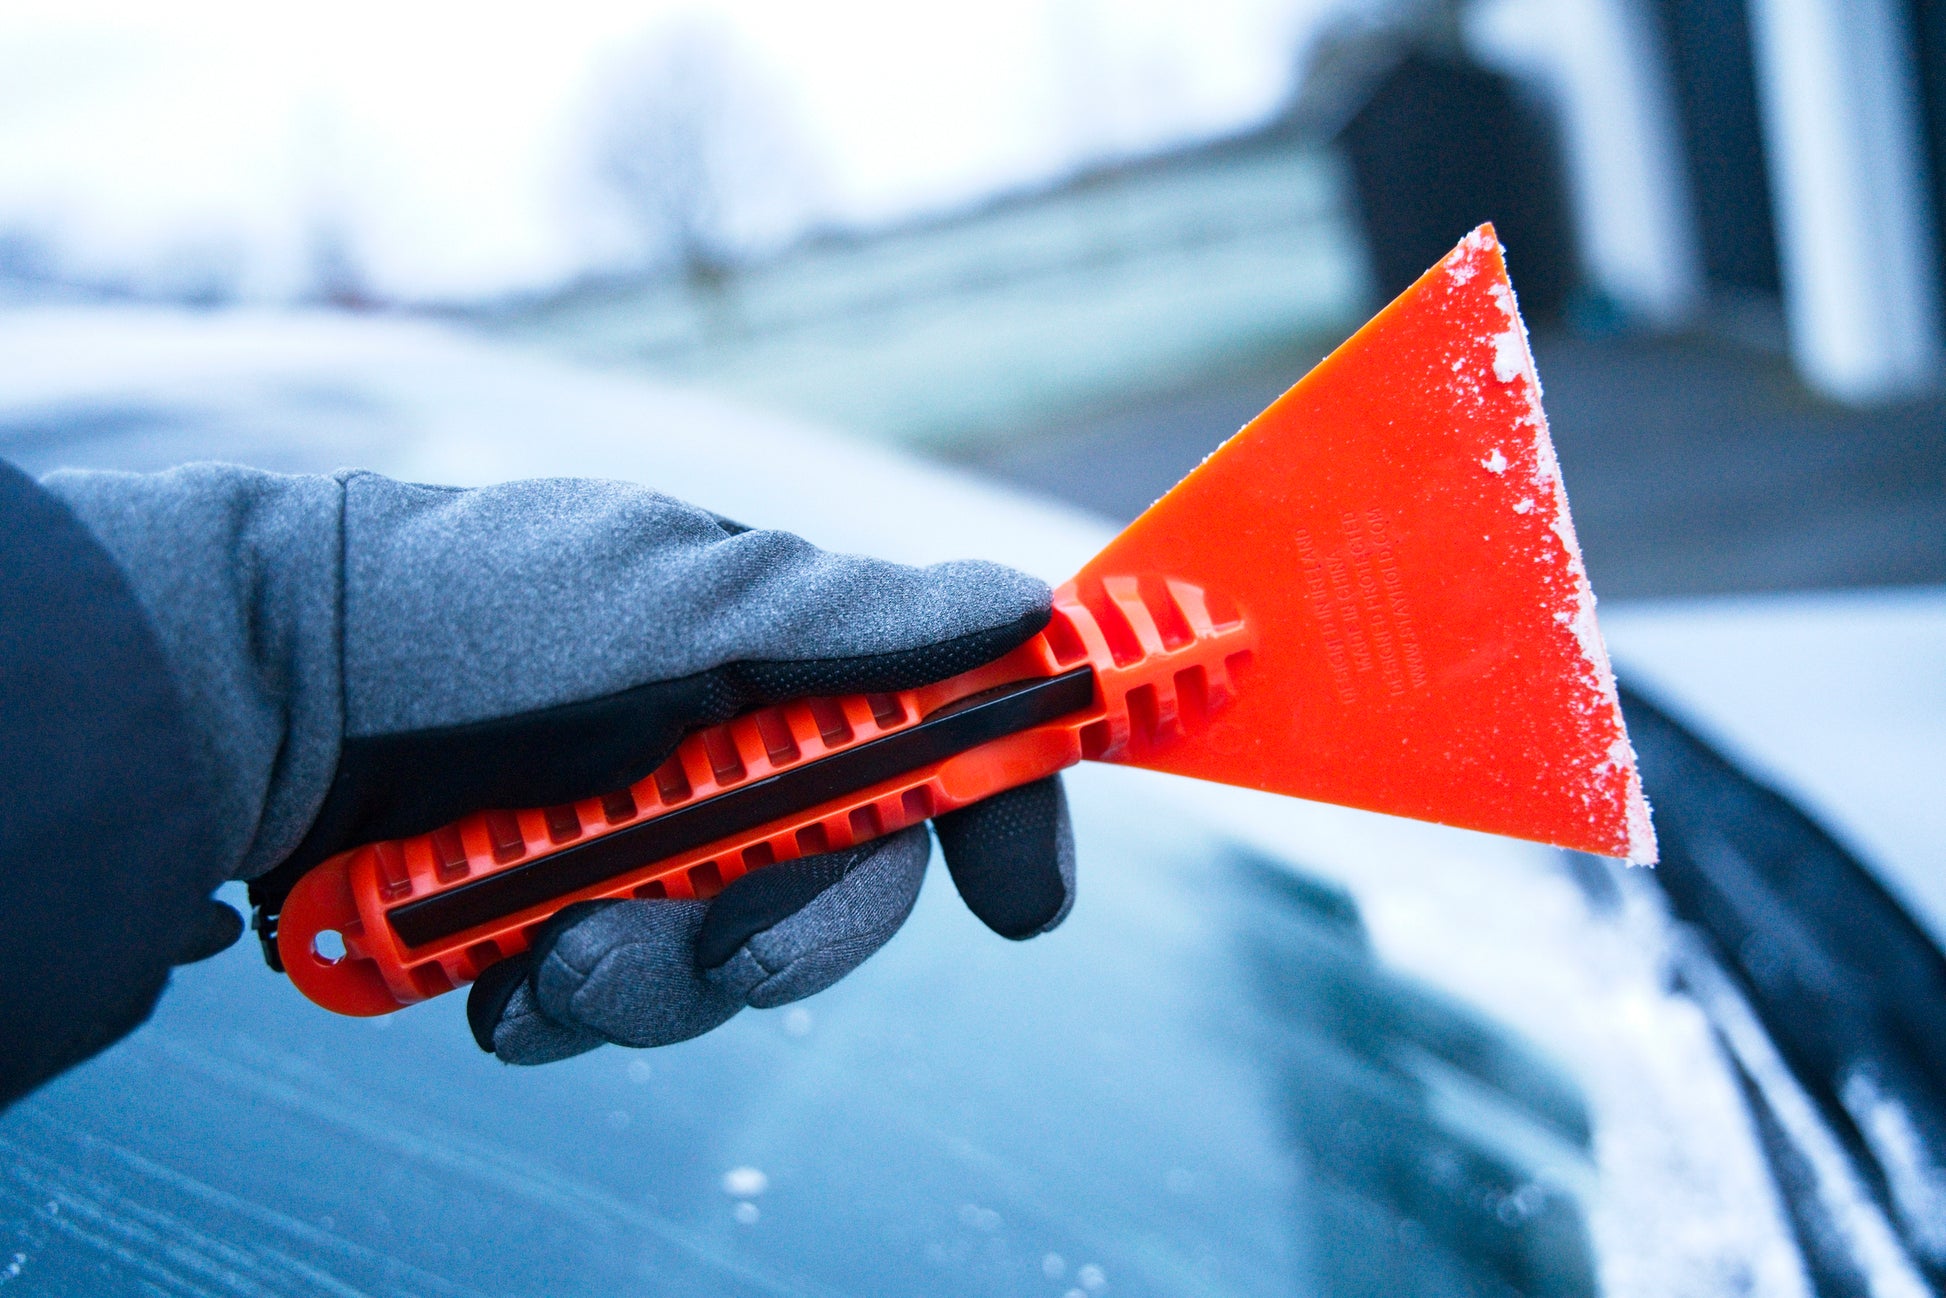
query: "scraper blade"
1396, 530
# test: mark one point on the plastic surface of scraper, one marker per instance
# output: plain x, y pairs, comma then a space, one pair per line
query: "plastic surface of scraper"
1371, 595
1397, 529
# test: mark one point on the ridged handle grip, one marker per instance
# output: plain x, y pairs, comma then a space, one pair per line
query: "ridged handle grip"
1124, 665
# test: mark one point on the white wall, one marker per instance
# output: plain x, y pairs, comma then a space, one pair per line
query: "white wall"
1840, 106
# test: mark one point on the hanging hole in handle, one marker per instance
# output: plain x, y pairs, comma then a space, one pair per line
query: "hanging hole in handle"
328, 946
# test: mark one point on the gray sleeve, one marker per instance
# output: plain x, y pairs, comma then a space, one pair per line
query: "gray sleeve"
299, 611
239, 573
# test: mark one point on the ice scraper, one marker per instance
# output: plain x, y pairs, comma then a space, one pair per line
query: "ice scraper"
1371, 596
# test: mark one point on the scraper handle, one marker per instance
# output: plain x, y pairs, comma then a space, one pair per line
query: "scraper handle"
1125, 664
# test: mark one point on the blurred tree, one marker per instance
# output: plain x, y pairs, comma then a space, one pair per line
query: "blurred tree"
203, 271
336, 278
698, 150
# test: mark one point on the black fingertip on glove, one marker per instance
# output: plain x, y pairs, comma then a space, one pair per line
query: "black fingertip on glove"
493, 991
764, 898
214, 929
503, 996
1012, 858
650, 973
507, 1021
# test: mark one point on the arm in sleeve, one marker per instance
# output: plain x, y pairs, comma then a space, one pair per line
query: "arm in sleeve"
106, 827
354, 658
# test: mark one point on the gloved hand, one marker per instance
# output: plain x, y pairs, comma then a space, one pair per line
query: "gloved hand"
368, 659
648, 973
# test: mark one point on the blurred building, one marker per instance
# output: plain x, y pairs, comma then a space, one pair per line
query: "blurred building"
1723, 218
1732, 161
1122, 284
1767, 169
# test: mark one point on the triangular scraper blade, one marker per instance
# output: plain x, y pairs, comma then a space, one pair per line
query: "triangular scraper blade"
1396, 530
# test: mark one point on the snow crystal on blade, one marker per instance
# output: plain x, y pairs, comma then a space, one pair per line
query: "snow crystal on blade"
1513, 359
1463, 263
1507, 358
1495, 462
1641, 823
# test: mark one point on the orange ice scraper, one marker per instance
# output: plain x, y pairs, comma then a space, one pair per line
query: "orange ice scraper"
1371, 595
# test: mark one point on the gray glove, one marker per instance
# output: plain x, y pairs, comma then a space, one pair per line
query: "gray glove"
649, 973
368, 659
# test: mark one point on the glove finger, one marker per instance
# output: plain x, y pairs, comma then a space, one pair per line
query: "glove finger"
1012, 858
626, 972
507, 1020
787, 931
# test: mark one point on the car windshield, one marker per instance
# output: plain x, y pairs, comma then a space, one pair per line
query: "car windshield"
1279, 1048
1210, 1083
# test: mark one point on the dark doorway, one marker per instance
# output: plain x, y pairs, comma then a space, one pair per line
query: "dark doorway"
1441, 146
1714, 75
1929, 53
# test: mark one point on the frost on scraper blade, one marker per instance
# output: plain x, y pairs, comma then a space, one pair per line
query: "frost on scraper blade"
1396, 528
1539, 483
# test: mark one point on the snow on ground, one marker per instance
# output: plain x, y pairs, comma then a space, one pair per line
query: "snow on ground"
1683, 1205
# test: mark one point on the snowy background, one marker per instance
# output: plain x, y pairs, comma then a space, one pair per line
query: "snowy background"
444, 152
